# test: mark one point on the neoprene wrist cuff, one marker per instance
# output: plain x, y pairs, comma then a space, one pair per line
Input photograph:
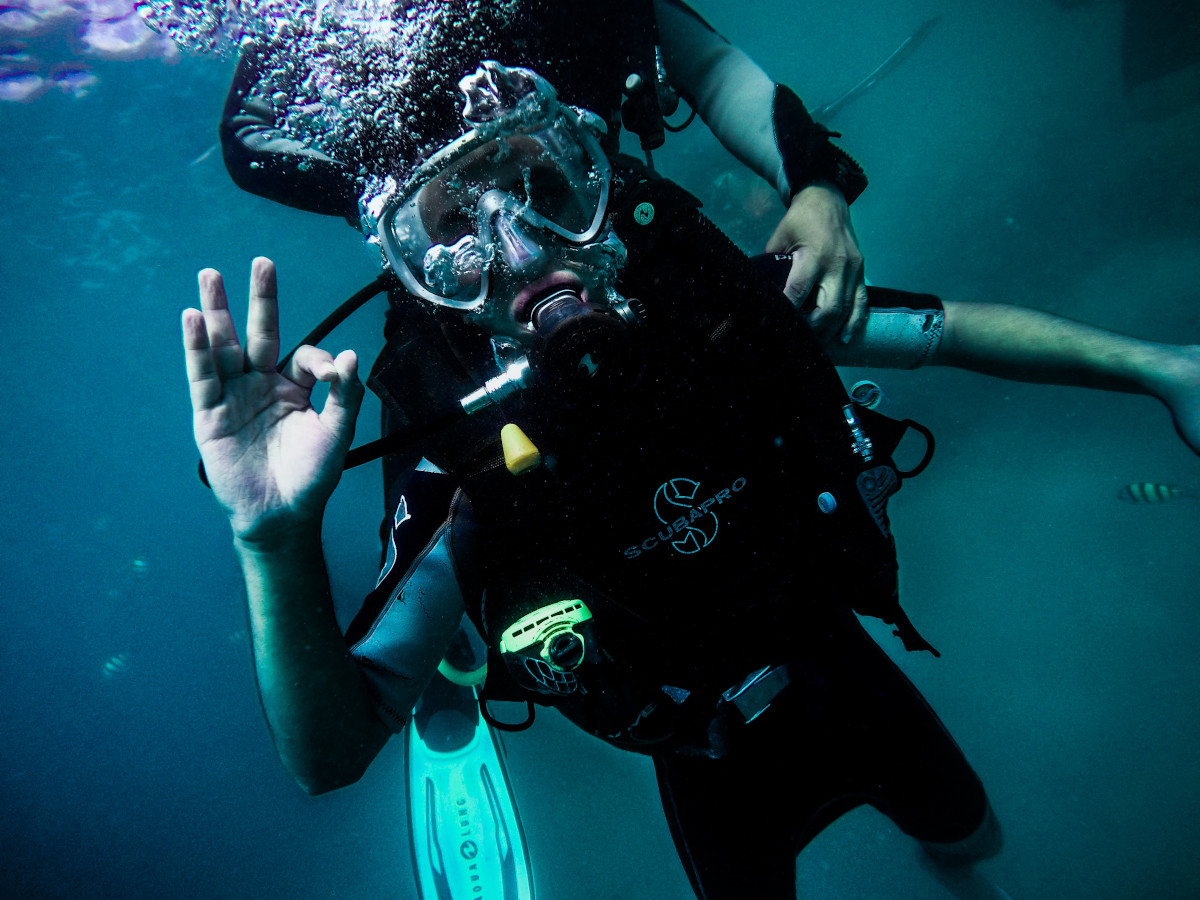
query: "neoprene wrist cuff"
808, 154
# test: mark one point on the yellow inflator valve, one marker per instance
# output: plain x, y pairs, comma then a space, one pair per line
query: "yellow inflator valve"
519, 453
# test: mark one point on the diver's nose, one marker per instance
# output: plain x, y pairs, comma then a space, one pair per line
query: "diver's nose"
520, 251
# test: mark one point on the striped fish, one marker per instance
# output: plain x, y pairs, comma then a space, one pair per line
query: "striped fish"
1150, 492
116, 665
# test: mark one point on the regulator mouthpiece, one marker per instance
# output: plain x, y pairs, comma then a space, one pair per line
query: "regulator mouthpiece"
580, 346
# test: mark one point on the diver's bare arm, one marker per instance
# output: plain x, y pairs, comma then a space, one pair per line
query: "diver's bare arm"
1030, 345
1024, 344
272, 461
321, 719
762, 123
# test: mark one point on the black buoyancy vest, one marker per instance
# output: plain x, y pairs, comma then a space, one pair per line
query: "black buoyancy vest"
721, 494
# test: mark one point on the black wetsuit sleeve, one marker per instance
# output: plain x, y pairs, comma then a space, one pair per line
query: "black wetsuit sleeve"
263, 161
762, 123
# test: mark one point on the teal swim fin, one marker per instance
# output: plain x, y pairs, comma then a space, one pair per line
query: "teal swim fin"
466, 836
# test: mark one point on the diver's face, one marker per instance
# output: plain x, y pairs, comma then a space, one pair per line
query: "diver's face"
526, 263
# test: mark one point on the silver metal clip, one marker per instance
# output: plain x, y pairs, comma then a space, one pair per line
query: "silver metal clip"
758, 690
860, 443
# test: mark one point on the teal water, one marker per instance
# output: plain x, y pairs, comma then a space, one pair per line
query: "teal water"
1007, 163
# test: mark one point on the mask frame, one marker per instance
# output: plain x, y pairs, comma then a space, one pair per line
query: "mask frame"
404, 224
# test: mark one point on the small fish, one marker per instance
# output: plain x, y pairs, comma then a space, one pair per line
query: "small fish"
116, 665
1150, 492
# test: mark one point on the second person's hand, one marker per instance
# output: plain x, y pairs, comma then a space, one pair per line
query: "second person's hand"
817, 232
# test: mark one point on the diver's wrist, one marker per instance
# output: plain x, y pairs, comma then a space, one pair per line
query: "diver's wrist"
808, 152
821, 191
299, 538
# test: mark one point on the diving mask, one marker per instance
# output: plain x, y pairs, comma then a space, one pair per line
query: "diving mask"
511, 212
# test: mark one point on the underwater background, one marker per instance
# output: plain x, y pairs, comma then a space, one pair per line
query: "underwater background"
1009, 161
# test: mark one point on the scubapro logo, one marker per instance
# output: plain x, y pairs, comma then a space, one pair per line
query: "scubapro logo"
690, 524
693, 532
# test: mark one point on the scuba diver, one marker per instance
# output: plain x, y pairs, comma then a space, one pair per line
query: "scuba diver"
659, 484
670, 487
267, 159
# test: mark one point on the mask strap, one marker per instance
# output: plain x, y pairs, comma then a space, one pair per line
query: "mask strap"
356, 301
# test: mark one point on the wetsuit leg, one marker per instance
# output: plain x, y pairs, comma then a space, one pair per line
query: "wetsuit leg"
852, 730
901, 758
732, 840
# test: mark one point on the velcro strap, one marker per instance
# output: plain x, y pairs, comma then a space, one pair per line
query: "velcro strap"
808, 155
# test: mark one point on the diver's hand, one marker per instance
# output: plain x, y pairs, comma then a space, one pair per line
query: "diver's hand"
818, 233
1175, 380
271, 459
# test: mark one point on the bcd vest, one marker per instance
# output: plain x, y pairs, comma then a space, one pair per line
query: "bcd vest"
702, 510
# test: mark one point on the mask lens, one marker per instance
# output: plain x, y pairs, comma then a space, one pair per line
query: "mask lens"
554, 178
547, 174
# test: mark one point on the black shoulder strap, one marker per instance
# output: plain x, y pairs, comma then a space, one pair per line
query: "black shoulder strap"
645, 207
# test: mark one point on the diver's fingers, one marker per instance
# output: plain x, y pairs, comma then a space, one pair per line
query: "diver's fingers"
222, 336
828, 307
824, 315
858, 313
801, 278
309, 365
203, 380
345, 398
262, 322
834, 302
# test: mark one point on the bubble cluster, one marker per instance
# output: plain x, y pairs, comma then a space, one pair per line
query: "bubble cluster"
370, 83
